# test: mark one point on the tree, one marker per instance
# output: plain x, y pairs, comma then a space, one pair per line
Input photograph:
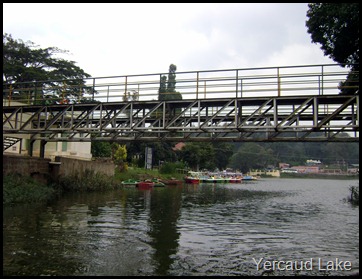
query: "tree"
171, 84
33, 70
101, 149
251, 156
167, 89
120, 156
336, 27
223, 152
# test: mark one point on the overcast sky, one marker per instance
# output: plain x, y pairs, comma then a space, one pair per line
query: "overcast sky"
115, 39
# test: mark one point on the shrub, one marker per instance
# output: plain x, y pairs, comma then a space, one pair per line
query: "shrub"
354, 198
24, 189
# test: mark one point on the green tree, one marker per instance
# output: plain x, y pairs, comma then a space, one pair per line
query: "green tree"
120, 156
36, 70
199, 155
167, 89
251, 155
223, 151
101, 149
171, 84
336, 27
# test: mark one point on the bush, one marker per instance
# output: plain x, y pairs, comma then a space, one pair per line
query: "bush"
354, 198
171, 168
24, 189
89, 181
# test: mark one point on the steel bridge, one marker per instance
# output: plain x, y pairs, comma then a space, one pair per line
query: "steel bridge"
299, 103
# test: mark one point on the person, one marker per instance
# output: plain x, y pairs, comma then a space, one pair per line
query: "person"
64, 101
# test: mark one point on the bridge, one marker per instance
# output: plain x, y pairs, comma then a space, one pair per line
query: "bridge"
270, 104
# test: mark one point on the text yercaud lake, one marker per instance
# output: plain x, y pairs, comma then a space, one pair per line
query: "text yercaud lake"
264, 227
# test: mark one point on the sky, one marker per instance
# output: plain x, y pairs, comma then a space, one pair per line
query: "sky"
114, 39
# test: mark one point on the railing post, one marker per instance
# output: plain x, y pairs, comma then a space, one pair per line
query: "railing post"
237, 79
197, 85
125, 90
94, 85
10, 92
278, 77
241, 88
322, 78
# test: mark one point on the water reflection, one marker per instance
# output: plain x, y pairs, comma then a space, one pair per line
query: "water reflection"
183, 230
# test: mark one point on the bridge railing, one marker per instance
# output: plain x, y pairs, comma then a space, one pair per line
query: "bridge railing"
230, 83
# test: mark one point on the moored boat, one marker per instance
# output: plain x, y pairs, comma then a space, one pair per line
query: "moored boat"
249, 177
158, 183
235, 180
130, 182
145, 184
192, 180
192, 177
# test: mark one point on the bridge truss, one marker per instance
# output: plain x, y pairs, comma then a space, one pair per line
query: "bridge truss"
289, 118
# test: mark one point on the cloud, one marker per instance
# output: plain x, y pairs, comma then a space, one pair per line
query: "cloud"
136, 38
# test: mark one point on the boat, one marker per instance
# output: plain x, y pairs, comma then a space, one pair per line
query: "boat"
146, 184
158, 183
214, 179
130, 182
235, 180
192, 177
249, 177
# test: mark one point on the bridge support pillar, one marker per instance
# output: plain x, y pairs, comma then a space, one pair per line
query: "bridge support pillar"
42, 148
31, 145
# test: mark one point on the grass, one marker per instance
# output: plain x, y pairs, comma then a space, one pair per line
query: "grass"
22, 189
140, 173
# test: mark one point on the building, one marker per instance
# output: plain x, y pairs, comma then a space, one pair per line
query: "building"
20, 144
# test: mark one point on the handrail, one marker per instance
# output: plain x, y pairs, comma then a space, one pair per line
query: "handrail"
208, 84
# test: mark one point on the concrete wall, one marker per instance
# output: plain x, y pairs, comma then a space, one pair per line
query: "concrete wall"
43, 169
35, 167
64, 166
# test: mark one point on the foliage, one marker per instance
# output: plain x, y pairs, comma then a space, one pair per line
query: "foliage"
119, 156
32, 70
23, 189
89, 181
161, 151
251, 156
223, 152
101, 149
171, 167
354, 198
167, 90
198, 155
336, 27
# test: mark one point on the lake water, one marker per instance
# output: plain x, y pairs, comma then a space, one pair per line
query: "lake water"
273, 226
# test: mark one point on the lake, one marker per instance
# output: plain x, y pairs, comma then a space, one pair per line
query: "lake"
271, 226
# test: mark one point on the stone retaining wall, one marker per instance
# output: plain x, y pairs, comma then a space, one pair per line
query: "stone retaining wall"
44, 169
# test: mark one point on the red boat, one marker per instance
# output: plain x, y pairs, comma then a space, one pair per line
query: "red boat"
192, 177
192, 180
145, 184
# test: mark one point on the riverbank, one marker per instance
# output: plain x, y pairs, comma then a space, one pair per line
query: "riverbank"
319, 176
19, 189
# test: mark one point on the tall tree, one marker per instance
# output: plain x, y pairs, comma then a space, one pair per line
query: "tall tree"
167, 89
171, 84
336, 27
35, 69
